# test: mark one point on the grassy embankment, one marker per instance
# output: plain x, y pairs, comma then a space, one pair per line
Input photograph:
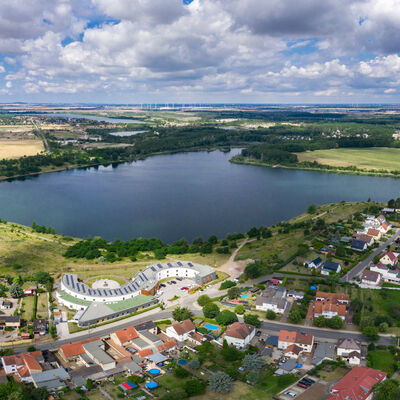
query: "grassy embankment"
24, 252
283, 246
376, 161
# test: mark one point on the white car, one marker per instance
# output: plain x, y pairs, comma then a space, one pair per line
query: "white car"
290, 394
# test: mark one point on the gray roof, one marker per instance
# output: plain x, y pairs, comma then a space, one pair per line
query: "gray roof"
94, 311
95, 349
140, 343
272, 341
267, 352
331, 266
132, 367
323, 351
349, 344
145, 279
152, 338
51, 378
145, 326
272, 295
157, 358
289, 365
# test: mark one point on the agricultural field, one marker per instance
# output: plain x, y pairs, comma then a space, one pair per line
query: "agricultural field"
20, 148
376, 158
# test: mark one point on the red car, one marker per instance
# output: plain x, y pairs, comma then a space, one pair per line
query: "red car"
302, 385
184, 288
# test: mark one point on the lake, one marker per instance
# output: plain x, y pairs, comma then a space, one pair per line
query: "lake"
178, 195
125, 133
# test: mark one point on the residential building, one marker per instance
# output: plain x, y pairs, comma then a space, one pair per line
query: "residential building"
293, 294
329, 310
272, 298
30, 291
293, 351
375, 233
181, 330
96, 351
370, 278
358, 245
40, 326
328, 305
357, 384
388, 275
323, 351
317, 263
350, 350
388, 258
52, 379
304, 340
335, 298
73, 351
125, 336
6, 304
10, 321
331, 267
239, 334
369, 240
23, 365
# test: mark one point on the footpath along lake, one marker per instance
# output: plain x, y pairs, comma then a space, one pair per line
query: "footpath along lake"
178, 195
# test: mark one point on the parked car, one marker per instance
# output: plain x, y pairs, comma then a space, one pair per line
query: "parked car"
184, 288
308, 380
302, 385
308, 384
162, 285
173, 282
258, 333
179, 279
290, 394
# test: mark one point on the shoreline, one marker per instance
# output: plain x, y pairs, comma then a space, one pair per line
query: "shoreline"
254, 162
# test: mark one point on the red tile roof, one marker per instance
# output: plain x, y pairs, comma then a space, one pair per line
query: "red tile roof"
391, 256
332, 297
296, 337
31, 362
145, 353
293, 348
183, 327
371, 276
320, 307
13, 360
167, 345
75, 349
357, 384
125, 335
373, 232
239, 331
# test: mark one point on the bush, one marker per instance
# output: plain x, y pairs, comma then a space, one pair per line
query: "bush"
180, 372
230, 353
270, 315
226, 317
203, 300
234, 292
252, 319
252, 362
194, 388
227, 284
210, 310
194, 364
239, 309
220, 382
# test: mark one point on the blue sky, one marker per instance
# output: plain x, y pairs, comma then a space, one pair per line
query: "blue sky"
163, 51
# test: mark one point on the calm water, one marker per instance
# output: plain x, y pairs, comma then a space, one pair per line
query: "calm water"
125, 133
95, 118
174, 196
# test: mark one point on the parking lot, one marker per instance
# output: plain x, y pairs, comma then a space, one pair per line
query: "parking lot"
314, 392
170, 289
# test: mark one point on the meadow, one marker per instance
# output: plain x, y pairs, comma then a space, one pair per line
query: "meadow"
19, 148
374, 158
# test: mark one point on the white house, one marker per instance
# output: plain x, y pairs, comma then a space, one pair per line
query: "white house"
388, 275
181, 330
349, 350
303, 340
388, 258
240, 334
370, 278
272, 298
331, 266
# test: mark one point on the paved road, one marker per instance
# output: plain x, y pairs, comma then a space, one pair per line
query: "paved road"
363, 264
40, 134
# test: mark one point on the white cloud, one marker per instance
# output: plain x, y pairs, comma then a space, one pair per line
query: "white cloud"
2, 69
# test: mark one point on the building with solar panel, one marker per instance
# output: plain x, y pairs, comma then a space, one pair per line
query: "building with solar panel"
98, 305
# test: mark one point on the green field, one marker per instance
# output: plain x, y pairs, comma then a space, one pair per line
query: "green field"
376, 158
382, 360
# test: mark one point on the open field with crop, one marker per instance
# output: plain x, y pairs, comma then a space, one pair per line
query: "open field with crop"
376, 158
20, 148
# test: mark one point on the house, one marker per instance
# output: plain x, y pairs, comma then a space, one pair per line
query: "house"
331, 266
196, 338
388, 258
328, 305
123, 337
240, 334
181, 330
350, 350
323, 351
23, 365
52, 379
40, 326
314, 263
358, 245
370, 278
366, 238
96, 351
272, 341
388, 275
357, 384
286, 367
6, 304
293, 351
30, 291
272, 298
293, 294
374, 233
73, 351
304, 340
10, 321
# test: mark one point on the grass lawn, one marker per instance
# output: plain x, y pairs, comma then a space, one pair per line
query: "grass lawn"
240, 391
336, 374
381, 359
365, 158
42, 310
27, 305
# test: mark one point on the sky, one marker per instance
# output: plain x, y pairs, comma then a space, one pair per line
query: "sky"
200, 51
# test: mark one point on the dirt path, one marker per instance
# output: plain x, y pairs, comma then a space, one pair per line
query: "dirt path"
235, 268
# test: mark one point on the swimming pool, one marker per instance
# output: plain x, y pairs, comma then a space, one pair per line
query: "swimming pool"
151, 385
154, 371
244, 296
211, 327
182, 362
